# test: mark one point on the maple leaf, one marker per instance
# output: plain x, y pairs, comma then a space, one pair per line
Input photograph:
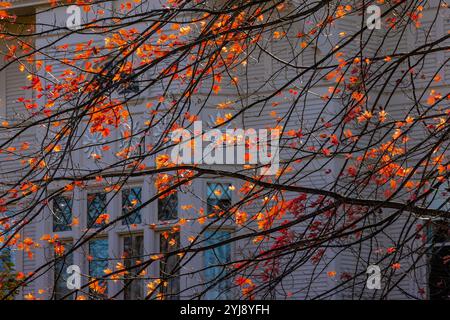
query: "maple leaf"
396, 266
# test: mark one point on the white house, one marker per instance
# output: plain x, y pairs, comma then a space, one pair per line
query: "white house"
151, 229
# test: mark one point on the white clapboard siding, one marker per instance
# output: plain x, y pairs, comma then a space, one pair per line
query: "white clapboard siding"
286, 59
346, 25
11, 165
447, 52
15, 83
428, 66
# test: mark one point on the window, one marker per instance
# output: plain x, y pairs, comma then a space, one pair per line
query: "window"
130, 86
96, 207
7, 254
7, 257
62, 214
60, 275
168, 207
131, 199
7, 272
439, 276
98, 262
215, 261
169, 268
439, 263
218, 197
133, 250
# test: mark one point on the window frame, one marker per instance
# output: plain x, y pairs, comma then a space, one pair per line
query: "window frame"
88, 265
52, 206
122, 237
431, 248
232, 245
229, 222
158, 236
64, 242
129, 187
436, 202
160, 221
108, 200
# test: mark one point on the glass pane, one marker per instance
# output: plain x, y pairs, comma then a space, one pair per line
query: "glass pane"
441, 231
96, 207
131, 199
168, 207
215, 260
7, 273
62, 213
7, 254
218, 197
60, 275
439, 278
98, 262
169, 270
133, 250
6, 259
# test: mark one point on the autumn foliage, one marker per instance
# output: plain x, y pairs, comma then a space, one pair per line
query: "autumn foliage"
364, 123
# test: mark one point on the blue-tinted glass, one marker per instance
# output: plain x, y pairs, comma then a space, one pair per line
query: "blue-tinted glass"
62, 214
98, 252
215, 260
218, 197
131, 199
96, 207
168, 207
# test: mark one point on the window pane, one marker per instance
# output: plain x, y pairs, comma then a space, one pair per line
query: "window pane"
96, 207
7, 273
131, 199
441, 231
439, 279
7, 257
168, 207
98, 262
218, 197
62, 213
133, 250
215, 260
60, 275
439, 276
8, 253
169, 269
